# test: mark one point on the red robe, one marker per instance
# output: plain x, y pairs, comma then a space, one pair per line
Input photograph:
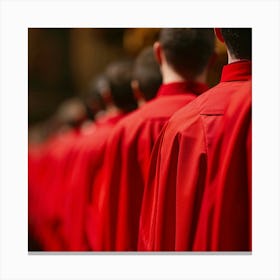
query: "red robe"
117, 202
35, 154
87, 158
46, 189
225, 216
198, 191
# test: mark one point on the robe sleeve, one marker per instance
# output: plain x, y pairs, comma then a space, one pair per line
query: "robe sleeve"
174, 189
101, 224
232, 214
55, 188
127, 160
121, 199
87, 162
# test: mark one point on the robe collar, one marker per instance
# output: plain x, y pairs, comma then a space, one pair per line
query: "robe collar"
181, 88
237, 71
111, 118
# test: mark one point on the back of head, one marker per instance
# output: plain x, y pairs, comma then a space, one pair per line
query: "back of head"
119, 75
238, 42
187, 50
95, 100
147, 73
71, 113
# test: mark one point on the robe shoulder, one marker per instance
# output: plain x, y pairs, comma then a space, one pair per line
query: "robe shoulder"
177, 179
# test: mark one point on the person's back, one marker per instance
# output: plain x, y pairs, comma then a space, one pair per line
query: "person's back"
146, 79
131, 143
87, 154
44, 177
182, 160
225, 216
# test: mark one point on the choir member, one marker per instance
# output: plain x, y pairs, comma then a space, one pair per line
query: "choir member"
183, 56
95, 103
146, 79
87, 154
199, 186
44, 169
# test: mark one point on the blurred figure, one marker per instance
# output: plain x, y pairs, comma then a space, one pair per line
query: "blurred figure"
183, 56
146, 80
45, 163
94, 99
70, 115
199, 187
37, 133
86, 156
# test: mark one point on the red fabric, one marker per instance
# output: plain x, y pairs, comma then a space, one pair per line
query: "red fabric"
35, 154
36, 194
46, 188
87, 158
198, 191
225, 216
116, 202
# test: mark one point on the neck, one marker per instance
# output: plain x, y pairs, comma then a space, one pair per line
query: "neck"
170, 76
112, 109
141, 102
232, 59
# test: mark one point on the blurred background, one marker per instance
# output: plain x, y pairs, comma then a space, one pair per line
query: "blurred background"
62, 62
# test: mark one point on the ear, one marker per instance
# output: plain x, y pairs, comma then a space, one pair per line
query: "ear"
219, 34
136, 90
158, 52
107, 96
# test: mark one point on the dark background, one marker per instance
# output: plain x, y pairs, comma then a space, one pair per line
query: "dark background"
63, 61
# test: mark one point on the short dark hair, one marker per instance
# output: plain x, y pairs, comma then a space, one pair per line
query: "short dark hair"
238, 41
71, 112
119, 75
94, 99
147, 72
188, 50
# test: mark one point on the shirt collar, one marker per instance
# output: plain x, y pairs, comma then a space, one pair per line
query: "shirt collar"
237, 71
181, 88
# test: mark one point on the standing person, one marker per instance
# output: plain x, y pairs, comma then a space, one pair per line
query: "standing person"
146, 79
86, 156
44, 173
182, 199
183, 56
224, 222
